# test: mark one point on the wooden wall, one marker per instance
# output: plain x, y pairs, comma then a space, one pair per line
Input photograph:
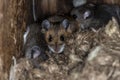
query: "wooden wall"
12, 24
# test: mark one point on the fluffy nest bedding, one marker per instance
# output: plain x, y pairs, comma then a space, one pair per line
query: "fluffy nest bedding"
89, 55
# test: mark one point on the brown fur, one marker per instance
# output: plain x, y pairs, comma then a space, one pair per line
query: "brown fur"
57, 34
55, 31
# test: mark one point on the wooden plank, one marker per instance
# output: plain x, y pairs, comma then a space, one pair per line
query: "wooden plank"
12, 25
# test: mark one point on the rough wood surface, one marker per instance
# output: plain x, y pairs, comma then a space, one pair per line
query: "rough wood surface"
12, 24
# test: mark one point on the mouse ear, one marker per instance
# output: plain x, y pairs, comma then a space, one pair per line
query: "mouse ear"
65, 23
46, 24
86, 14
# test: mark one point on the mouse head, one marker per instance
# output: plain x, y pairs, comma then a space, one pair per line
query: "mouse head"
56, 34
83, 14
33, 52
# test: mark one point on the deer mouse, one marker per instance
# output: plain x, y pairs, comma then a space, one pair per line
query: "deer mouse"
57, 29
33, 42
95, 15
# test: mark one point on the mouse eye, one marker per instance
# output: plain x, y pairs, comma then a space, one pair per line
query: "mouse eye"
62, 38
50, 38
74, 16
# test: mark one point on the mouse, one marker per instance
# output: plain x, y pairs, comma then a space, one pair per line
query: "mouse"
91, 15
34, 44
57, 29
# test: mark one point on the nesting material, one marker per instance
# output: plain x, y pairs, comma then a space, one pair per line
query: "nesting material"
88, 56
103, 62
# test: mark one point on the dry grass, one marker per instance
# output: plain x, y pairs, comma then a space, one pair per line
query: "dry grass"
88, 56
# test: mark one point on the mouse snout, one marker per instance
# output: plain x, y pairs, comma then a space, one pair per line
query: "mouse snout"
35, 52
